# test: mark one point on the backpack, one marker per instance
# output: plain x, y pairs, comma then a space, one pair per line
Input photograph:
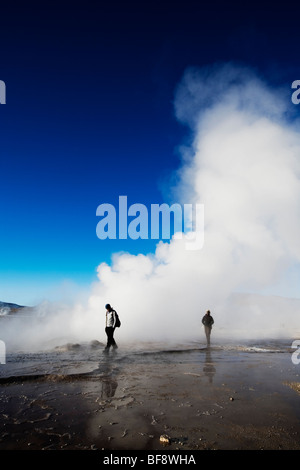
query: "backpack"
118, 322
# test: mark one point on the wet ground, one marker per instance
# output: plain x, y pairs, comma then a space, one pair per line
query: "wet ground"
222, 397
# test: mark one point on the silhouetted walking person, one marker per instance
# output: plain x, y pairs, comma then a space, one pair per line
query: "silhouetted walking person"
110, 325
208, 322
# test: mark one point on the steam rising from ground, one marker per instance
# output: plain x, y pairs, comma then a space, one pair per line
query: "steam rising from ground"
243, 164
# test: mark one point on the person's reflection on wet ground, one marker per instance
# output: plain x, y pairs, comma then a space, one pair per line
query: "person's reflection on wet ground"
209, 368
107, 374
109, 387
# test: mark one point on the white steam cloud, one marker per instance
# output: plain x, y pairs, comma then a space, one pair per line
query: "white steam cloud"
243, 164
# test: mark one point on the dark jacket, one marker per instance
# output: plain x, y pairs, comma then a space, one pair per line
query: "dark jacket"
208, 320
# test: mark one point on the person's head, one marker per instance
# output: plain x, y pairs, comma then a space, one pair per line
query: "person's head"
108, 307
208, 312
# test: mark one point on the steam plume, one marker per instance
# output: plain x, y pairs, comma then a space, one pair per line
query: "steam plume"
242, 163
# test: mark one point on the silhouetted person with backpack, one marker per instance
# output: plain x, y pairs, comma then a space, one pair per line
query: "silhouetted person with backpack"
208, 322
112, 321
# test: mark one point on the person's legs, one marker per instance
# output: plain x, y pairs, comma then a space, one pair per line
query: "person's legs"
207, 332
113, 342
110, 338
108, 334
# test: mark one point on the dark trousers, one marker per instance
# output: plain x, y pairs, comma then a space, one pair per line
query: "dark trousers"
109, 330
207, 333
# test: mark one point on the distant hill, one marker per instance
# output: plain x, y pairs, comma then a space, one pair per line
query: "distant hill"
9, 308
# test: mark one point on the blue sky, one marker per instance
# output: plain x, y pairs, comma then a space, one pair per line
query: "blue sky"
89, 117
